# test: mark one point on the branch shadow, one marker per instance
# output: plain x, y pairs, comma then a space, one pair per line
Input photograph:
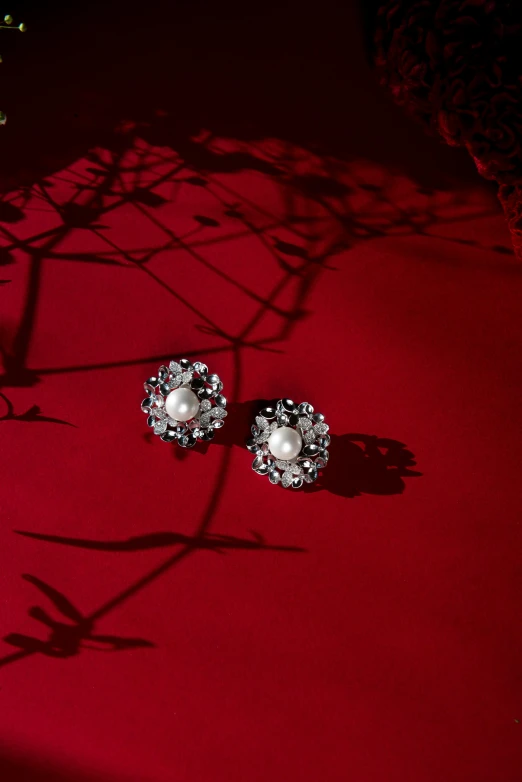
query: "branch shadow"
32, 415
65, 639
68, 639
356, 212
154, 540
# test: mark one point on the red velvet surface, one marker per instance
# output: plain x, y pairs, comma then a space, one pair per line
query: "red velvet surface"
208, 625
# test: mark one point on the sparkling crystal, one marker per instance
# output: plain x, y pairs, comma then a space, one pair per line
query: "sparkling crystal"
282, 465
160, 413
204, 419
274, 476
159, 401
296, 469
321, 428
305, 409
205, 405
175, 380
172, 422
218, 412
287, 479
309, 436
160, 427
261, 422
263, 436
282, 419
217, 423
163, 374
186, 377
175, 368
200, 368
305, 424
205, 393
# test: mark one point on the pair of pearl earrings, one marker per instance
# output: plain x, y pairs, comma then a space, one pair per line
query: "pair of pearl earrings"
185, 403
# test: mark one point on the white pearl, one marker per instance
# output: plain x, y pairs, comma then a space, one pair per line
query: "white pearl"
285, 443
182, 404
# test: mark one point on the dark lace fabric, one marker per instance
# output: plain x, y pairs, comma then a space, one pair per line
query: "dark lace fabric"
456, 65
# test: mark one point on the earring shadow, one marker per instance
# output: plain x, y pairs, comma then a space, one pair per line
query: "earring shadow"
365, 464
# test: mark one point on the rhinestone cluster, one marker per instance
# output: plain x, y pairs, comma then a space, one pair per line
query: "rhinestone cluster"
314, 433
208, 388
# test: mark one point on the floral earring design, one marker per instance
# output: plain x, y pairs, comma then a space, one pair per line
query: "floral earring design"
290, 443
184, 403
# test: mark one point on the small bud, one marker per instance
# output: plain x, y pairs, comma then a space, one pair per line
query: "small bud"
8, 19
22, 28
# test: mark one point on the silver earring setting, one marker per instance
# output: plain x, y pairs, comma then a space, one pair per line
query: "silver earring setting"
290, 443
184, 403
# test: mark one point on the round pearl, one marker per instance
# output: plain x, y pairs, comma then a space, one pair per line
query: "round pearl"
182, 404
285, 443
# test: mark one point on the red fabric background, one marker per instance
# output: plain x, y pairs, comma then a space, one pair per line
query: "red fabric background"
272, 215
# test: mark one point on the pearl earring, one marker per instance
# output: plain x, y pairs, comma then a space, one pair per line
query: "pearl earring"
184, 403
290, 442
